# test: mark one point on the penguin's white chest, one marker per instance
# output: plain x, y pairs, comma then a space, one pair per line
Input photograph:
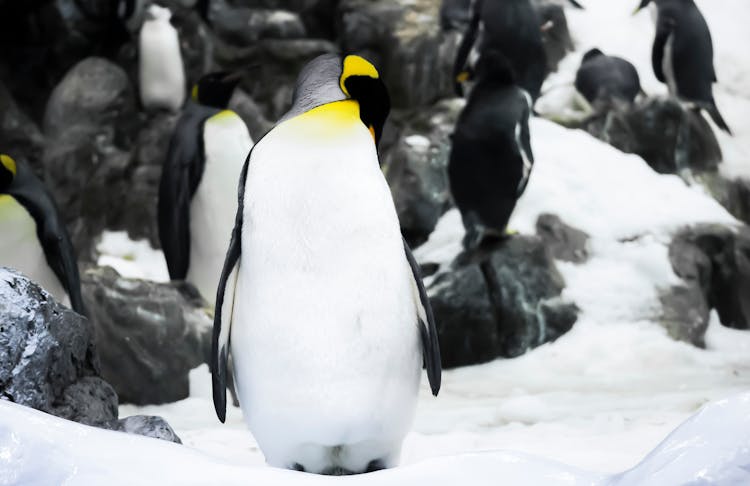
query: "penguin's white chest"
161, 72
214, 205
324, 335
20, 248
668, 65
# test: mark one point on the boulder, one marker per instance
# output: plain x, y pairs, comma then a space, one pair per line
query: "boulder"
455, 14
20, 137
149, 426
499, 301
563, 242
251, 113
243, 26
416, 167
733, 194
135, 323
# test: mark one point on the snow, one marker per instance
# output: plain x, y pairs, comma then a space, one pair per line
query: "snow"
36, 448
131, 259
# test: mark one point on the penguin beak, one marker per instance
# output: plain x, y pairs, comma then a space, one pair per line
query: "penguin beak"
640, 7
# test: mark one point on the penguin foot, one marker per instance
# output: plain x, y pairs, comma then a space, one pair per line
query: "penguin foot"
375, 465
297, 467
337, 471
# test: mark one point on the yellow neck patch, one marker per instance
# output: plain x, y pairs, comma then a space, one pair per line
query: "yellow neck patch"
194, 93
8, 163
326, 122
356, 66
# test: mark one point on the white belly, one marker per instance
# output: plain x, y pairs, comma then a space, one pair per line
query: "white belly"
21, 251
667, 66
214, 204
325, 338
161, 72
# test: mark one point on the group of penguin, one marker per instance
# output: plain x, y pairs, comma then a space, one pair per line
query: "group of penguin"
296, 241
502, 51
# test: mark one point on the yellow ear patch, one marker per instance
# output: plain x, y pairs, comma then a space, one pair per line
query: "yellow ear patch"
356, 66
8, 163
194, 93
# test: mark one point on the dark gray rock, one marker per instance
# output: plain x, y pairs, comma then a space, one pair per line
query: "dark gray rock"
733, 194
251, 113
47, 356
564, 242
685, 313
714, 262
149, 426
19, 135
149, 335
243, 26
455, 15
415, 167
651, 129
500, 301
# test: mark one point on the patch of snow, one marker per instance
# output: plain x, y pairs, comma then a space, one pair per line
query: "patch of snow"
131, 259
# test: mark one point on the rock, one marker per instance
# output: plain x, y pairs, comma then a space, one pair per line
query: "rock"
243, 26
149, 426
135, 322
564, 242
416, 168
733, 194
500, 302
650, 129
455, 14
19, 135
47, 356
250, 113
714, 262
684, 314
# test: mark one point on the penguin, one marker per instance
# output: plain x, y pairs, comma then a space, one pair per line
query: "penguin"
33, 238
603, 79
196, 204
513, 28
160, 69
683, 55
321, 302
491, 158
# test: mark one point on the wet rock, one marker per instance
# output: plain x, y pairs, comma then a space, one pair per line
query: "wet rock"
564, 242
149, 426
651, 129
135, 322
500, 301
714, 262
415, 167
47, 356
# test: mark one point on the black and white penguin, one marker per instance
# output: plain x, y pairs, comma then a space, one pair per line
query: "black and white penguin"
33, 238
603, 79
491, 158
513, 28
197, 200
161, 73
683, 55
320, 301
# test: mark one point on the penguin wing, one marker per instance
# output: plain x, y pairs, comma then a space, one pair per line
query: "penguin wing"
664, 28
225, 305
180, 177
60, 255
524, 145
427, 327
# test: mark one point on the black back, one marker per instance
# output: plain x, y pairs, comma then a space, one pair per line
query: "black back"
31, 193
512, 27
602, 78
181, 175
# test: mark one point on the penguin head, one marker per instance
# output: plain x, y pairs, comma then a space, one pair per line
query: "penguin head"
641, 6
7, 172
591, 54
494, 66
215, 89
329, 78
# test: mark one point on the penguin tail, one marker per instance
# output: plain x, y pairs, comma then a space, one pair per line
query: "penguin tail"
713, 111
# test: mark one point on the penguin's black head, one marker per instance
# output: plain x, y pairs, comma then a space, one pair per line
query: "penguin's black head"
494, 66
360, 81
592, 54
641, 6
7, 172
215, 89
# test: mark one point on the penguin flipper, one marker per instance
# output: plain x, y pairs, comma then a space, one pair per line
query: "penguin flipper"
713, 111
60, 255
664, 28
427, 327
225, 305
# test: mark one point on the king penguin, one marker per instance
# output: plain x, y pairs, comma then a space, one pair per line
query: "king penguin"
160, 69
33, 238
197, 202
511, 27
491, 158
683, 55
321, 302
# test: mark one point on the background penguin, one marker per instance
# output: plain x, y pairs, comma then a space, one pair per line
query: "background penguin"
161, 72
683, 55
197, 200
330, 322
491, 157
512, 28
602, 79
33, 238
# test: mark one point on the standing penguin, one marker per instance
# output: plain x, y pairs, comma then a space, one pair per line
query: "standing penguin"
491, 157
197, 202
33, 238
320, 299
513, 28
161, 72
602, 79
683, 55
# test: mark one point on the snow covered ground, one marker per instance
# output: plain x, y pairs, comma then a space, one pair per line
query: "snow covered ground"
599, 398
